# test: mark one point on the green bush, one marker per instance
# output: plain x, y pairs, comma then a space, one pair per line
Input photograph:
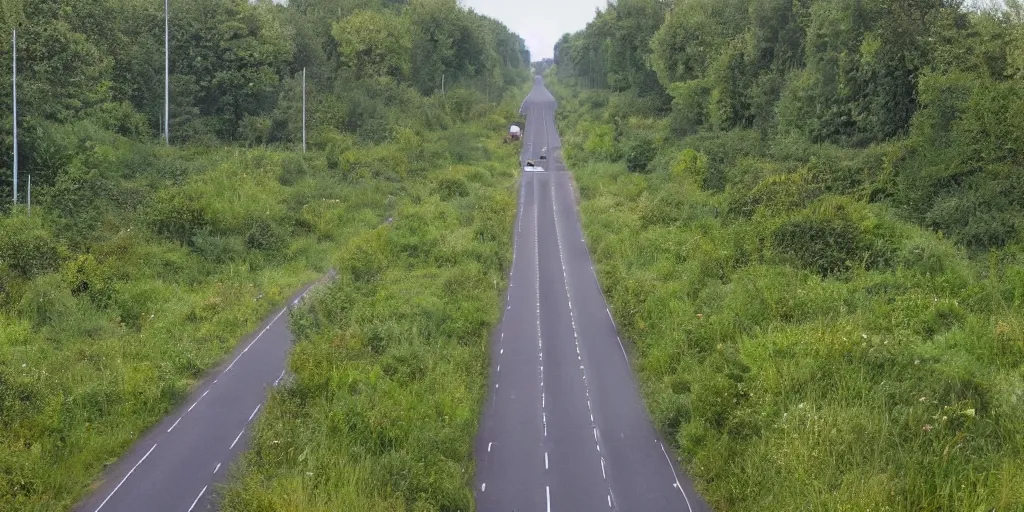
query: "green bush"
834, 238
27, 248
264, 235
640, 152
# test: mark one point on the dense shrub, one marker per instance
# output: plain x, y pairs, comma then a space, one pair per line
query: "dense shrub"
835, 237
640, 152
27, 248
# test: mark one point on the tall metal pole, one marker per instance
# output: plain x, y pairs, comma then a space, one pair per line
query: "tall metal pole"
303, 110
167, 73
14, 81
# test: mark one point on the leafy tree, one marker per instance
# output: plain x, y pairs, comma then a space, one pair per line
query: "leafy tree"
374, 44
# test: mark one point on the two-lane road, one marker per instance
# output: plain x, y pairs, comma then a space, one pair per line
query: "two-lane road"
564, 428
175, 466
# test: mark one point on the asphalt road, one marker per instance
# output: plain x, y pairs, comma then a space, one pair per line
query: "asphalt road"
564, 428
176, 465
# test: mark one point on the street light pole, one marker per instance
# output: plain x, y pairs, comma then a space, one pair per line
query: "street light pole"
14, 81
167, 73
303, 110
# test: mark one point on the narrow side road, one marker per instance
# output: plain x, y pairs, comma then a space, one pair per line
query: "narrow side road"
564, 428
176, 465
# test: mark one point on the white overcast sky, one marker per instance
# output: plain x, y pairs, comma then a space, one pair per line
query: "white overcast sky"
540, 22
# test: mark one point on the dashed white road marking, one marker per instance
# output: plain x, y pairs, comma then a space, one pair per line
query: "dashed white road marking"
547, 491
175, 423
216, 468
236, 439
126, 477
545, 460
603, 474
197, 499
489, 446
483, 487
279, 377
254, 411
197, 401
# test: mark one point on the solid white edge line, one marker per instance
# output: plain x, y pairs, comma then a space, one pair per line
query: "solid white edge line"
676, 477
197, 499
126, 477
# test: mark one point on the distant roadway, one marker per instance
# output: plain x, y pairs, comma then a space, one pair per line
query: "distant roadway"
564, 428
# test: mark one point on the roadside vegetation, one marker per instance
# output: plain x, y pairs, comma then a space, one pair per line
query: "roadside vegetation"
390, 365
807, 218
141, 265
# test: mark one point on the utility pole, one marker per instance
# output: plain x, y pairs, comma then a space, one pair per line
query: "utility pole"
14, 81
167, 72
303, 110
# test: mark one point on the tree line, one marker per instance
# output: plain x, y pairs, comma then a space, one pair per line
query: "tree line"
235, 66
940, 77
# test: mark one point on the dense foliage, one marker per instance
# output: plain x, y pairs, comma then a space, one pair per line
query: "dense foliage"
809, 223
141, 265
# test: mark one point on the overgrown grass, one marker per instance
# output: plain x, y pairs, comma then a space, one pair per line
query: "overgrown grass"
141, 267
97, 345
803, 347
390, 364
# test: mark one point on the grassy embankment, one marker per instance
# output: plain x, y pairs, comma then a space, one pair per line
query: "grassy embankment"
802, 344
390, 364
112, 310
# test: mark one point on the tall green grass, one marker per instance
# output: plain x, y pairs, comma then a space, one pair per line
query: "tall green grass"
97, 345
390, 364
802, 347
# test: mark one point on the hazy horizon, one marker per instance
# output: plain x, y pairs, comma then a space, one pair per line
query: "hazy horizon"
540, 23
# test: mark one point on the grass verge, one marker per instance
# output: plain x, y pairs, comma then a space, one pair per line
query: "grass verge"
803, 348
391, 358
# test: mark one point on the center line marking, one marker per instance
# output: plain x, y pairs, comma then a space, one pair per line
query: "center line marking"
125, 477
197, 499
254, 411
236, 439
197, 400
545, 460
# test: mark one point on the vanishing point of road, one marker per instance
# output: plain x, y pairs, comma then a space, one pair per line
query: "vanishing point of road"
564, 428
